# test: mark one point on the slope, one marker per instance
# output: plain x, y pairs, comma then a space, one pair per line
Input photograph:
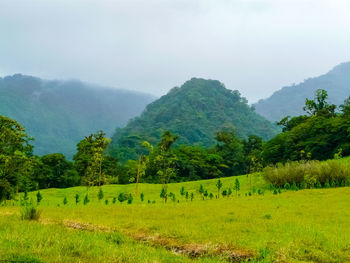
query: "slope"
58, 114
290, 100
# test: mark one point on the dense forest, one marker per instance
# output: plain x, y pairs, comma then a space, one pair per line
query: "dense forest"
322, 133
58, 114
195, 112
289, 100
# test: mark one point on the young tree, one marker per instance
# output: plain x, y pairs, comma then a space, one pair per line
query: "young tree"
218, 186
65, 201
182, 191
130, 199
237, 186
77, 198
86, 199
192, 196
142, 197
142, 163
100, 194
39, 197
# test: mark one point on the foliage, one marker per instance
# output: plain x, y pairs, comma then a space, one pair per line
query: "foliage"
195, 112
16, 162
320, 136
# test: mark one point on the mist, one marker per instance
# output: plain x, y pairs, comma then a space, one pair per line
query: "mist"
151, 46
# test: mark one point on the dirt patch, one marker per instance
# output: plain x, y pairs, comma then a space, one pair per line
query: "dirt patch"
192, 250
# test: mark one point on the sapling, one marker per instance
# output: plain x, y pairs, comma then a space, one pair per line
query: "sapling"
65, 201
327, 185
211, 195
142, 196
86, 199
100, 194
224, 193
192, 196
287, 186
237, 186
318, 185
186, 196
106, 201
205, 193
182, 191
130, 199
39, 197
114, 200
219, 185
201, 189
77, 198
229, 192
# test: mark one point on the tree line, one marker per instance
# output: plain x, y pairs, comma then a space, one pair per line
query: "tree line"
322, 133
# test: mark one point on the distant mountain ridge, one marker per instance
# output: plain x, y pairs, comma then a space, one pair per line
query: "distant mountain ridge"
195, 112
290, 100
58, 114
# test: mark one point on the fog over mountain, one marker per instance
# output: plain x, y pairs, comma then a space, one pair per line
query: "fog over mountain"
254, 46
58, 114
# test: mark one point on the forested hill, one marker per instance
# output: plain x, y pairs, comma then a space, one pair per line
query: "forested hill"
58, 114
290, 100
194, 112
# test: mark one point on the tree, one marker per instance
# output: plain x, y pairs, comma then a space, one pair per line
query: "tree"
130, 199
218, 186
237, 186
86, 199
65, 201
89, 158
16, 161
182, 191
39, 197
100, 194
319, 105
142, 196
142, 162
77, 198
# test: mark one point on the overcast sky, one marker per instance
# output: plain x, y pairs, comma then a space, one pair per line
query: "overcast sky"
256, 47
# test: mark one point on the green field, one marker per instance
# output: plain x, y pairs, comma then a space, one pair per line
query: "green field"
294, 226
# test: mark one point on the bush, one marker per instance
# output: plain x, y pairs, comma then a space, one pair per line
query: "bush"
77, 198
130, 199
29, 212
308, 174
39, 197
65, 201
106, 201
142, 197
100, 194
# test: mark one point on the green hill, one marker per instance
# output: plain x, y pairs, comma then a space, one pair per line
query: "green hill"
58, 114
195, 112
290, 100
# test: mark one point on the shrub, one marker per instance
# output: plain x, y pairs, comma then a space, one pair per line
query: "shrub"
142, 197
100, 194
211, 195
122, 197
39, 197
287, 186
65, 201
29, 212
77, 198
307, 174
114, 200
182, 190
86, 199
130, 199
106, 201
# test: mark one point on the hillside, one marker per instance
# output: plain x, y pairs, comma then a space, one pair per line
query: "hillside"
195, 112
290, 100
262, 227
58, 114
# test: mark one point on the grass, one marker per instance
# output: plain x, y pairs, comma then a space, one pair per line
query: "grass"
296, 226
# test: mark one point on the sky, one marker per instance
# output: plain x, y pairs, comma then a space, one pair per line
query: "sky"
256, 47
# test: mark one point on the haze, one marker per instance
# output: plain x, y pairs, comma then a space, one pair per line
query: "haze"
151, 46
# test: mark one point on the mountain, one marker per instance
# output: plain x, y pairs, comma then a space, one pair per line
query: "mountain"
194, 112
290, 100
58, 114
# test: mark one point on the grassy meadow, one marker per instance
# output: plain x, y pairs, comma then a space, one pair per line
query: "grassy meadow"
295, 226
